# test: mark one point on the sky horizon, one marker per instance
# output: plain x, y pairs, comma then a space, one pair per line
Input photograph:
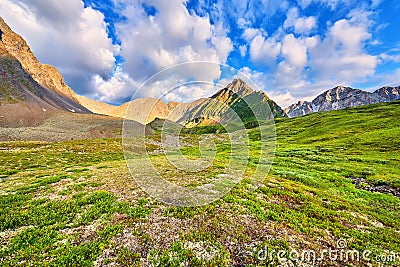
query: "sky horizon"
291, 49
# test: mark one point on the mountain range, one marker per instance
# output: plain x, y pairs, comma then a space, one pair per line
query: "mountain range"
31, 92
342, 97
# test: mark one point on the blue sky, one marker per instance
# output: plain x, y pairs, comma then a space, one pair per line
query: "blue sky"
293, 50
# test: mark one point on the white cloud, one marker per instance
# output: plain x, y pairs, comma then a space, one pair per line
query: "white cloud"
302, 66
304, 3
295, 51
301, 25
283, 99
376, 3
242, 23
305, 24
119, 87
341, 56
264, 51
243, 50
64, 34
389, 57
190, 92
291, 17
250, 33
258, 78
172, 36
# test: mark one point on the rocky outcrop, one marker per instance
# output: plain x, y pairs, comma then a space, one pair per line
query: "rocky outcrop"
44, 74
342, 97
387, 93
299, 109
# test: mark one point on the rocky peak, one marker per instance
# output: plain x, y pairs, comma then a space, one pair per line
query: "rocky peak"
299, 109
336, 94
388, 93
236, 88
45, 75
239, 87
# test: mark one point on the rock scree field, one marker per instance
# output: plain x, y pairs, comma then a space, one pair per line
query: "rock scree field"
333, 186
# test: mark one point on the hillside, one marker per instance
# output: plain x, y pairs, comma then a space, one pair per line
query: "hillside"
72, 202
29, 91
23, 102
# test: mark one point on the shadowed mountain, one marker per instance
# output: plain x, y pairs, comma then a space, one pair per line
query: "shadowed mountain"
342, 97
23, 101
46, 75
36, 104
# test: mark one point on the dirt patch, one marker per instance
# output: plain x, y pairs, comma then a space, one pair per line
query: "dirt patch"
384, 187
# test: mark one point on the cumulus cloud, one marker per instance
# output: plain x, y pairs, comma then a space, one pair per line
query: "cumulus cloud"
302, 64
301, 25
294, 60
295, 51
64, 34
169, 36
243, 50
119, 88
264, 50
172, 36
250, 33
257, 77
341, 57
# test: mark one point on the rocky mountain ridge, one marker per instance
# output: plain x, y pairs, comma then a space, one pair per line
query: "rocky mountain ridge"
203, 111
23, 101
342, 97
46, 75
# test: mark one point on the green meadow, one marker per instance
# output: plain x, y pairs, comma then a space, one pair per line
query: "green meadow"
75, 203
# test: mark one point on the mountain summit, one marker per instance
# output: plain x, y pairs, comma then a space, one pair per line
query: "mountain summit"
237, 96
236, 88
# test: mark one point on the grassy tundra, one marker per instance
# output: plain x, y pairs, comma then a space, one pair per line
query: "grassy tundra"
74, 203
